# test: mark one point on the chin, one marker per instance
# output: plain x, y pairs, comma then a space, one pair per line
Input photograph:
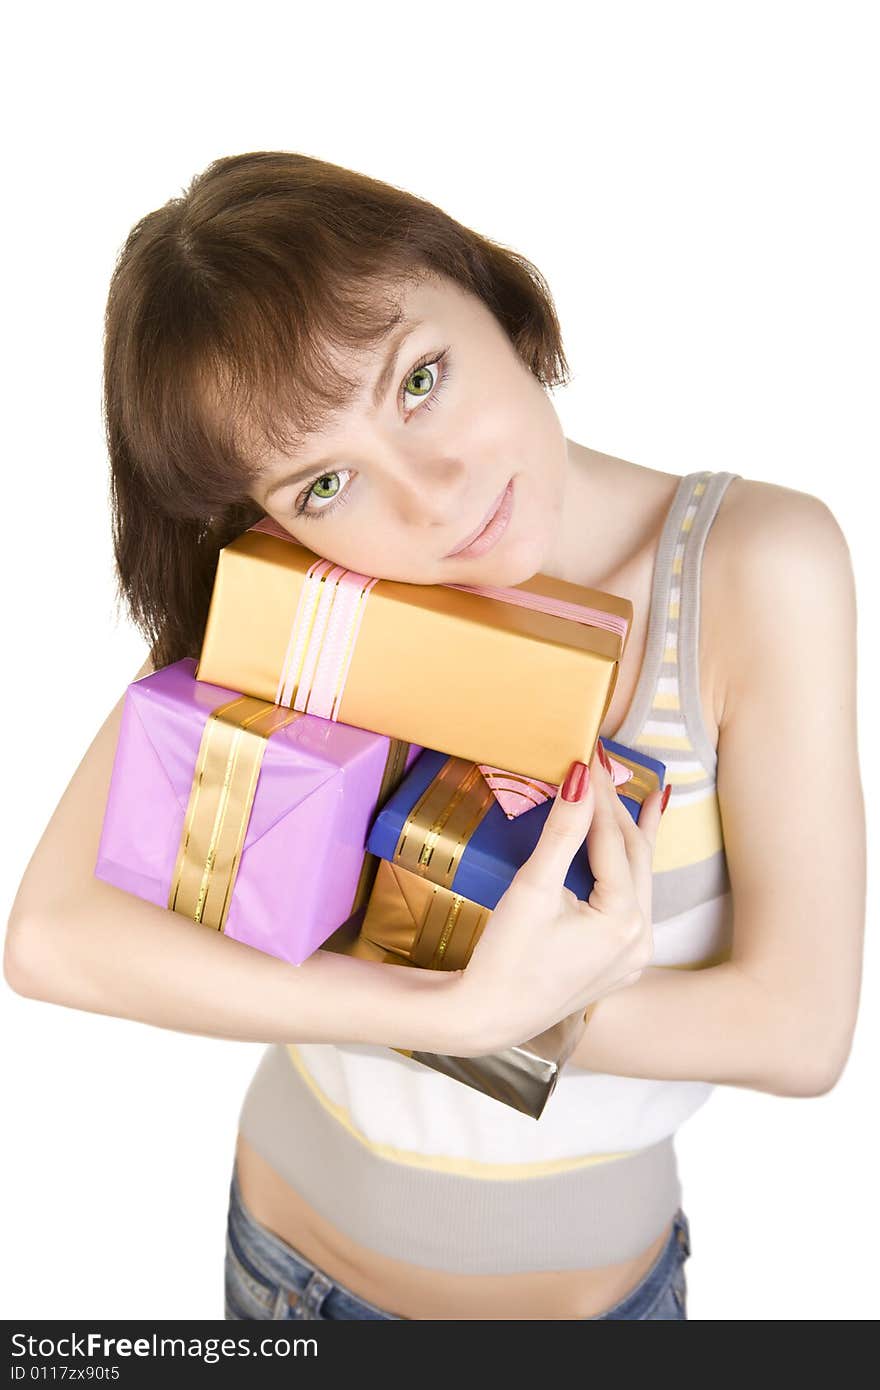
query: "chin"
513, 564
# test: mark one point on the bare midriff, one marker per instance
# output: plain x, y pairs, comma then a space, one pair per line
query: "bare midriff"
413, 1291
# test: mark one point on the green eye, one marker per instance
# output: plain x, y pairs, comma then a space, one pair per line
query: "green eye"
420, 372
328, 488
318, 487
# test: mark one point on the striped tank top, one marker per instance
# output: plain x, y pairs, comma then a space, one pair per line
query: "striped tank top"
416, 1166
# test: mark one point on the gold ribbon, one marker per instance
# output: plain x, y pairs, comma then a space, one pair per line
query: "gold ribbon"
395, 768
221, 799
430, 926
437, 829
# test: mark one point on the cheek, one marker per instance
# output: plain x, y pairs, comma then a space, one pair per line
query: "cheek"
491, 428
287, 522
362, 536
544, 439
528, 415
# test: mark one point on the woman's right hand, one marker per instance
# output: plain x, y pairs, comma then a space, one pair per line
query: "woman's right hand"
544, 953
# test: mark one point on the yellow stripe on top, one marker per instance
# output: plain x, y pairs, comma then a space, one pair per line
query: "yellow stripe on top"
688, 834
678, 743
681, 778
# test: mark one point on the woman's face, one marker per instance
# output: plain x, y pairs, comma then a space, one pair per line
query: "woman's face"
400, 482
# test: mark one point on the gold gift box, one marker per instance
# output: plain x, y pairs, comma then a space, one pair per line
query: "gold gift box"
429, 925
488, 680
413, 917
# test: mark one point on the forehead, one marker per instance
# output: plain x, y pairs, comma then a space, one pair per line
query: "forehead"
291, 425
347, 375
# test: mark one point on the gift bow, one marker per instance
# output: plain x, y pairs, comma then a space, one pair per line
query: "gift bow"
517, 794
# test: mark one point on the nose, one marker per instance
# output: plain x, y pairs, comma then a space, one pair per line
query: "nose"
429, 493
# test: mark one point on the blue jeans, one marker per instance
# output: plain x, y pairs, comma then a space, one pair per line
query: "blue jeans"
266, 1278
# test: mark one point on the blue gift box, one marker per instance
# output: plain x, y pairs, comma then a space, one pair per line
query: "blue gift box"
445, 824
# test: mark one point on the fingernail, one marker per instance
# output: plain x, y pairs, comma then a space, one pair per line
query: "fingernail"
574, 788
603, 756
667, 790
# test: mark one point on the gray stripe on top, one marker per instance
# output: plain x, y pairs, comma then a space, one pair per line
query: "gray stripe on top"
646, 686
661, 624
689, 616
592, 1216
675, 890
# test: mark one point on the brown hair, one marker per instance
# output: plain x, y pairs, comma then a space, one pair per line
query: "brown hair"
222, 306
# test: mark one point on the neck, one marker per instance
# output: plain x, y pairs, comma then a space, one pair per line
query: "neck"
611, 516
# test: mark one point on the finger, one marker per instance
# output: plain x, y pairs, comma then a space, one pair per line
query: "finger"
641, 846
650, 815
628, 827
640, 834
606, 848
562, 835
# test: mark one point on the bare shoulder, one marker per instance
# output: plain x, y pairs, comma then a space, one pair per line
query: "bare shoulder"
763, 533
772, 555
760, 516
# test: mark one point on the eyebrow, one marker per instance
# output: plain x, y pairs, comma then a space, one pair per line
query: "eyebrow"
405, 330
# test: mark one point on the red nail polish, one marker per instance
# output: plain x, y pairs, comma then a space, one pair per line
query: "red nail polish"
603, 756
667, 792
574, 788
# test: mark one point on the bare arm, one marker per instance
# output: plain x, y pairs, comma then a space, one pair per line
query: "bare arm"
77, 941
780, 1015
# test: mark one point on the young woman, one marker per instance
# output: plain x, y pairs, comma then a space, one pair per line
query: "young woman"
292, 339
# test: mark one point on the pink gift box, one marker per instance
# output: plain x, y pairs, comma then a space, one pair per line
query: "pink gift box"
301, 868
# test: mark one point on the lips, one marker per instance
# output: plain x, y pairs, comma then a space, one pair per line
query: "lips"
482, 526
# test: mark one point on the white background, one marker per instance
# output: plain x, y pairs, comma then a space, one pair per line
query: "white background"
697, 181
